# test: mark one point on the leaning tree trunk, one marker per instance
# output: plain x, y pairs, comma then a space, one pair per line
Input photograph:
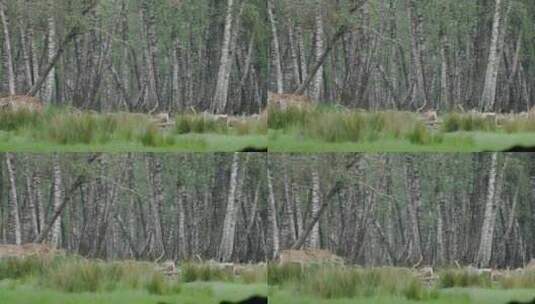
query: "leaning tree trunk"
226, 247
7, 49
491, 77
223, 77
487, 231
14, 229
56, 228
272, 218
314, 239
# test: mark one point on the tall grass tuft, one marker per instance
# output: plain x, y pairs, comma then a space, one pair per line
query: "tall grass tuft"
158, 284
14, 120
153, 137
519, 125
18, 268
80, 129
280, 274
192, 123
463, 278
79, 275
455, 122
204, 272
526, 279
283, 119
336, 282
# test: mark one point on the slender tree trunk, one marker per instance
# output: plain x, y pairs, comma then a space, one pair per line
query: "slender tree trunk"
226, 246
181, 217
416, 47
157, 249
315, 90
55, 239
413, 207
276, 49
219, 104
152, 56
314, 240
272, 218
488, 97
487, 231
7, 49
14, 228
51, 76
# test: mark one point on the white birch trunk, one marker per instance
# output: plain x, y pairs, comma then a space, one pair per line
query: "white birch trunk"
487, 231
7, 49
488, 96
50, 78
223, 77
14, 219
55, 238
272, 218
276, 47
315, 90
226, 246
314, 238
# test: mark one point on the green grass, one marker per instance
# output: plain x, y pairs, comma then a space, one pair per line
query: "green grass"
59, 130
77, 280
321, 129
335, 282
331, 130
335, 285
293, 141
455, 295
190, 293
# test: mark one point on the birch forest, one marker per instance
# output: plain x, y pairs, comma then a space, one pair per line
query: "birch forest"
389, 209
371, 209
405, 54
137, 206
136, 55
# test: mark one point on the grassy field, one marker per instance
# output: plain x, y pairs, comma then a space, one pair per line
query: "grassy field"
445, 296
335, 285
209, 142
191, 293
334, 130
293, 141
77, 280
321, 129
62, 130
